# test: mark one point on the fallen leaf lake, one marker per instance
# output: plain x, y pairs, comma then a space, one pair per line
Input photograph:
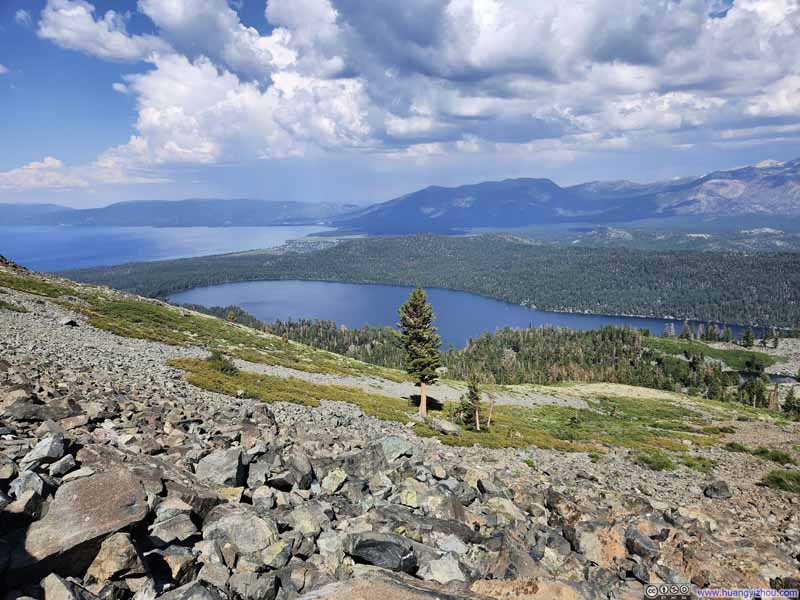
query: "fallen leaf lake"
459, 315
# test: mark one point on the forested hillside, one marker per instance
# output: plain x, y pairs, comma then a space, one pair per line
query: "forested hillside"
730, 287
546, 356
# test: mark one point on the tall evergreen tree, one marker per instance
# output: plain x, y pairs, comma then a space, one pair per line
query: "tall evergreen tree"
420, 342
749, 338
791, 405
470, 406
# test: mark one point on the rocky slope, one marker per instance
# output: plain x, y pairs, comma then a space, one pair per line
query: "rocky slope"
120, 480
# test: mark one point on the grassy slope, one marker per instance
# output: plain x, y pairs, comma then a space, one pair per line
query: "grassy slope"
648, 422
735, 359
152, 320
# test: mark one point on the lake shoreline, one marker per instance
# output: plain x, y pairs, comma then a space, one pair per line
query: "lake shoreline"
462, 315
692, 321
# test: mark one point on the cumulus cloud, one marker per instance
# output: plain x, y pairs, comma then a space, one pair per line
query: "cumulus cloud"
424, 78
49, 173
53, 174
71, 24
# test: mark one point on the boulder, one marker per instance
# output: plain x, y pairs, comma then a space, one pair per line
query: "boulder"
27, 481
445, 427
301, 468
117, 558
334, 480
718, 490
384, 550
253, 586
63, 466
443, 570
81, 515
193, 591
394, 447
370, 586
222, 467
57, 588
599, 541
240, 526
48, 450
641, 545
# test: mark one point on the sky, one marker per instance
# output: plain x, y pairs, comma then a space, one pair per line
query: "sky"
360, 101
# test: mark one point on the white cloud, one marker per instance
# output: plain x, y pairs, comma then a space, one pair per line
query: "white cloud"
53, 174
22, 17
426, 78
71, 24
212, 28
49, 173
3, 69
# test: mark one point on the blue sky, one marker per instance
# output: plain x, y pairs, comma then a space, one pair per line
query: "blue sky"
342, 101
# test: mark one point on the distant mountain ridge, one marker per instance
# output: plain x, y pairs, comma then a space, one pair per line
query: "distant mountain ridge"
175, 213
769, 188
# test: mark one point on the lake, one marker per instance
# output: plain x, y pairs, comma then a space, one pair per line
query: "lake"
460, 315
48, 248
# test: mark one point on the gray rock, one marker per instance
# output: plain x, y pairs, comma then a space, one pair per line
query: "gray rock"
718, 490
178, 528
117, 558
193, 591
333, 481
445, 427
278, 554
62, 466
253, 586
48, 450
241, 526
222, 467
215, 574
57, 588
641, 545
394, 447
27, 481
442, 570
81, 515
383, 550
301, 466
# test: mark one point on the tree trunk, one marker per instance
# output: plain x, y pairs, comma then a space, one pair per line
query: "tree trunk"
477, 420
491, 408
423, 399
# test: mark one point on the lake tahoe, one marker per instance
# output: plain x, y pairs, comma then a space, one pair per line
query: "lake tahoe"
460, 315
48, 248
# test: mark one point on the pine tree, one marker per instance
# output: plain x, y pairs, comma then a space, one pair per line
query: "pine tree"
791, 405
420, 342
749, 338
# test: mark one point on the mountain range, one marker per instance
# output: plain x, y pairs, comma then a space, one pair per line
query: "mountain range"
206, 212
767, 189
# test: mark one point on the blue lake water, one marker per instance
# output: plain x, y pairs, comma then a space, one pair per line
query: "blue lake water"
460, 315
58, 248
